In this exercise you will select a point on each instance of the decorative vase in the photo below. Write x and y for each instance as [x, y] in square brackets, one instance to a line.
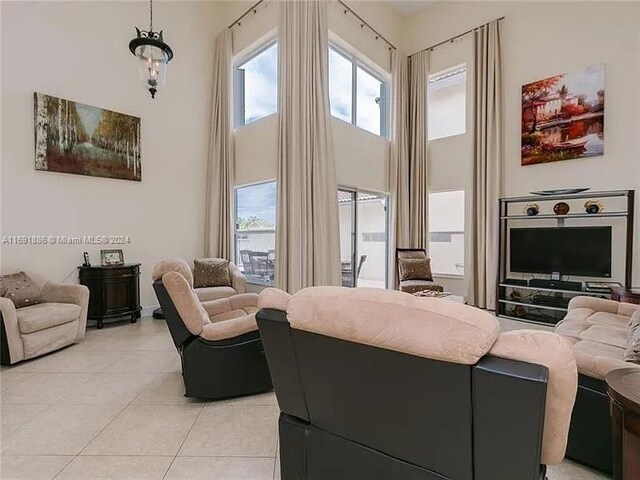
[532, 209]
[593, 207]
[561, 208]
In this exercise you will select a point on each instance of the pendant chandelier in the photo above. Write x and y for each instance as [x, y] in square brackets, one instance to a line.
[153, 55]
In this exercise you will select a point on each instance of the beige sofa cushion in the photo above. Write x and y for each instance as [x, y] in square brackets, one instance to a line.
[46, 315]
[231, 317]
[233, 307]
[207, 294]
[221, 330]
[274, 298]
[606, 334]
[173, 265]
[602, 305]
[53, 338]
[555, 353]
[425, 327]
[596, 359]
[599, 330]
[189, 307]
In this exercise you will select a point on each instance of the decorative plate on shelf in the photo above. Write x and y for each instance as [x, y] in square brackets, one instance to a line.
[561, 191]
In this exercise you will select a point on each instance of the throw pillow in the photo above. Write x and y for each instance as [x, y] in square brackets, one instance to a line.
[415, 269]
[211, 273]
[20, 289]
[632, 353]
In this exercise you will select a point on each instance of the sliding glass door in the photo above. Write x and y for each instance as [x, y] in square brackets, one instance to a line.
[363, 237]
[347, 215]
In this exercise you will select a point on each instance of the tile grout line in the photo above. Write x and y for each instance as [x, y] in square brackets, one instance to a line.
[106, 426]
[182, 443]
[92, 439]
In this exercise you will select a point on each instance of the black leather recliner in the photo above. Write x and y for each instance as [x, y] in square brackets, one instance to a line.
[353, 411]
[216, 369]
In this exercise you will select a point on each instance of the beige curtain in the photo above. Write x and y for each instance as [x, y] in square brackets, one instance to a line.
[307, 231]
[220, 165]
[418, 139]
[399, 159]
[487, 166]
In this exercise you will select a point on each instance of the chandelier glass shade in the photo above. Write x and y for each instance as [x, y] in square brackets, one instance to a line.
[153, 55]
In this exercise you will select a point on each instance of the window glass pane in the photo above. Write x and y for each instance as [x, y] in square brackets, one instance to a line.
[346, 215]
[368, 102]
[261, 85]
[340, 85]
[446, 232]
[447, 103]
[369, 267]
[371, 264]
[255, 232]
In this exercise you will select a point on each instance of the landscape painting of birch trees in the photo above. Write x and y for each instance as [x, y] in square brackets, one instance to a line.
[72, 137]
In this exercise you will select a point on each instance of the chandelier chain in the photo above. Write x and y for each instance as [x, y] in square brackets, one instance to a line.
[151, 15]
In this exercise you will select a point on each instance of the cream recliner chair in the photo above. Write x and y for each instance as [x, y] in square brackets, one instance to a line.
[218, 340]
[34, 330]
[205, 294]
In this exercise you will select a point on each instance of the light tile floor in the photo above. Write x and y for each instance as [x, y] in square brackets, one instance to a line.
[113, 407]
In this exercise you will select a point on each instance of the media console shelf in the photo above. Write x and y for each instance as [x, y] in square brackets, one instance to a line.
[515, 298]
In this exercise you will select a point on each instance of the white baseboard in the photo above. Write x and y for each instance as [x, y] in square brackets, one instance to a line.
[148, 310]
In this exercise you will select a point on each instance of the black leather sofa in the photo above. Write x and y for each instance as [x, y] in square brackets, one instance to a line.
[216, 369]
[351, 411]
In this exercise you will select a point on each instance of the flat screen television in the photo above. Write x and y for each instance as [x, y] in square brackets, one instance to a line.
[579, 251]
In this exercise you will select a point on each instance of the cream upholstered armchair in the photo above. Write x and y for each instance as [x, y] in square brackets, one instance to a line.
[237, 284]
[56, 319]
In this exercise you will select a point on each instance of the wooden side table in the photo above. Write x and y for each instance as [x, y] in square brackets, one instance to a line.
[114, 292]
[621, 294]
[624, 392]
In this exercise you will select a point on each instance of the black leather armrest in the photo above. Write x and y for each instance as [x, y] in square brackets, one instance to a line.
[508, 419]
[283, 364]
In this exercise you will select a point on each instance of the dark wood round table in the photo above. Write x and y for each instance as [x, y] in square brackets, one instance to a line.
[624, 392]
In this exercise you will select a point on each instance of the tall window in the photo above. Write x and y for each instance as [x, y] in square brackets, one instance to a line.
[256, 85]
[357, 94]
[255, 235]
[446, 232]
[447, 103]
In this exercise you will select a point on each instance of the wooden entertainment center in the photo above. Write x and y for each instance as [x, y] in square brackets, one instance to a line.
[544, 299]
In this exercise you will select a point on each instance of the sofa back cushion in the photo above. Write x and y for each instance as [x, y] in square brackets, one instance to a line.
[632, 354]
[191, 311]
[212, 272]
[425, 327]
[21, 289]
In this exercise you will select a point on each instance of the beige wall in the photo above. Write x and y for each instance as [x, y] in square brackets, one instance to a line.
[541, 39]
[78, 50]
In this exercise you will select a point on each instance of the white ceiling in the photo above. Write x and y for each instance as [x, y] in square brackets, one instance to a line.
[406, 8]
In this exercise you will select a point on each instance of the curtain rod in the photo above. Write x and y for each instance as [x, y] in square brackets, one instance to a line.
[364, 23]
[449, 40]
[252, 9]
